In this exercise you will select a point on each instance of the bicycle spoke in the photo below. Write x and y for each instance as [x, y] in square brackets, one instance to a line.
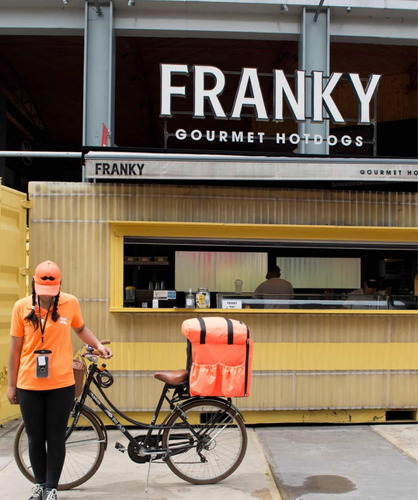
[85, 447]
[215, 448]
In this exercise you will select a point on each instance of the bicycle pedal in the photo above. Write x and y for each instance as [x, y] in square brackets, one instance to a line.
[120, 447]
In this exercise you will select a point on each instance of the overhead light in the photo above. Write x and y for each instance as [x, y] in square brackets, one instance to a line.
[284, 7]
[131, 3]
[65, 2]
[348, 10]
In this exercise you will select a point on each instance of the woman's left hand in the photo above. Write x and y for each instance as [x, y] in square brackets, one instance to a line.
[87, 336]
[104, 352]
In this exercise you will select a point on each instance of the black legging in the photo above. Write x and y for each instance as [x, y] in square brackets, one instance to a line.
[45, 414]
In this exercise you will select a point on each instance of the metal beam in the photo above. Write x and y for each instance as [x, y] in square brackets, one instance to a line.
[99, 75]
[98, 8]
[40, 154]
[318, 10]
[314, 47]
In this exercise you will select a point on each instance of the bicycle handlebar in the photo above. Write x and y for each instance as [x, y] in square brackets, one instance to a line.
[91, 351]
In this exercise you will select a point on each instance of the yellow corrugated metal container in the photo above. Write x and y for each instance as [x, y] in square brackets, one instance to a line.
[13, 211]
[303, 360]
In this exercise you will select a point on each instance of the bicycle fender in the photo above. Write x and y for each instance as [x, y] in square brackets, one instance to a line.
[213, 398]
[92, 413]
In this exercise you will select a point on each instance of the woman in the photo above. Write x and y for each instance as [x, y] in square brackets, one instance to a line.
[41, 378]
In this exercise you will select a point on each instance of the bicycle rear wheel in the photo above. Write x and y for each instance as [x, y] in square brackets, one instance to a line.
[215, 447]
[84, 450]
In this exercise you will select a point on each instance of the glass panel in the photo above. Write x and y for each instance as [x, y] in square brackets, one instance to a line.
[317, 301]
[218, 271]
[321, 272]
[194, 270]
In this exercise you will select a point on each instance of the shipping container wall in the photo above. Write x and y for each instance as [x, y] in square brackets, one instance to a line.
[13, 263]
[301, 361]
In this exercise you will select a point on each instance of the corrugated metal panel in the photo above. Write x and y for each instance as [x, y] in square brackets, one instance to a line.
[99, 202]
[69, 223]
[12, 279]
[295, 360]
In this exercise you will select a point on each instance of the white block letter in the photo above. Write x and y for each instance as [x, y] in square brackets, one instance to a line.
[200, 93]
[281, 86]
[364, 97]
[167, 90]
[320, 95]
[181, 134]
[249, 78]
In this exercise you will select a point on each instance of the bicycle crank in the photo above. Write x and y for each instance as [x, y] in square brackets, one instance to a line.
[141, 454]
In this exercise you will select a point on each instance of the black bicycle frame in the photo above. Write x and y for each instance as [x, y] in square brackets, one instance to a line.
[173, 402]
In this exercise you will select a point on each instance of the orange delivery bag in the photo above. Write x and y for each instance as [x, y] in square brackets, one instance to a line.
[219, 356]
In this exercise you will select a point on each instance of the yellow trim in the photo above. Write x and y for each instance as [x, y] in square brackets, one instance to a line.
[250, 232]
[207, 312]
[116, 269]
[337, 356]
[293, 416]
[131, 356]
[265, 231]
[315, 416]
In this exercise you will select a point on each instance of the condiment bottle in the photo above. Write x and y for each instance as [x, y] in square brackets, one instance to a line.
[190, 300]
[202, 298]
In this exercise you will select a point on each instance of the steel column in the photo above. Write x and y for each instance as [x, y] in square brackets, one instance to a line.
[99, 75]
[314, 50]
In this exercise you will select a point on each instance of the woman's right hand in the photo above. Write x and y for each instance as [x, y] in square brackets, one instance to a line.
[12, 395]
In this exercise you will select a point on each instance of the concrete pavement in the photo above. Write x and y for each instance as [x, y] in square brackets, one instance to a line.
[344, 462]
[120, 478]
[341, 462]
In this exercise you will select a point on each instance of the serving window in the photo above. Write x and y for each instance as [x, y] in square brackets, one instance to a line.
[153, 261]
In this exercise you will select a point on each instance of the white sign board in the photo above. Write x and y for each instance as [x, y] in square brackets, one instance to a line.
[164, 294]
[231, 304]
[115, 166]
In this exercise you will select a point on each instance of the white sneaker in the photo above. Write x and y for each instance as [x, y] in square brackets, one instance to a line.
[51, 494]
[37, 492]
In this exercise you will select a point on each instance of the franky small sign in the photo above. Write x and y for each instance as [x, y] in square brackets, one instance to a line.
[118, 169]
[138, 166]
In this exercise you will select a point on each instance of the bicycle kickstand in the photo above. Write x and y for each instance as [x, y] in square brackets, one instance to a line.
[149, 470]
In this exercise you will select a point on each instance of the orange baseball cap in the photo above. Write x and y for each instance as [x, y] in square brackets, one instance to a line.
[47, 278]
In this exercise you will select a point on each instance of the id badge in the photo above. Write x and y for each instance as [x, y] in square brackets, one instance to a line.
[42, 363]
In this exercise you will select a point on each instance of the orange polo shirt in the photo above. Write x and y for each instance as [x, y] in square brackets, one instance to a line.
[57, 338]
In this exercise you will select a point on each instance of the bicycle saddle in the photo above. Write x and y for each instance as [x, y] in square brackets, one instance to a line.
[174, 377]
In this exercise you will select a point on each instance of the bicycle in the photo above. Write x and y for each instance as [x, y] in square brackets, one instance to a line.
[203, 440]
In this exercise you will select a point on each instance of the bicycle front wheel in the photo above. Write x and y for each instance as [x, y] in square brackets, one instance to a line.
[84, 450]
[209, 446]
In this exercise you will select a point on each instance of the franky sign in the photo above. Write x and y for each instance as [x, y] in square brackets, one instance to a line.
[138, 166]
[249, 93]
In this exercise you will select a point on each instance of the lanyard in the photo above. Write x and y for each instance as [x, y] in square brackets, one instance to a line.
[43, 322]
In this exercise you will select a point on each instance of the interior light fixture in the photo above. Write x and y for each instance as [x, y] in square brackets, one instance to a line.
[284, 7]
[131, 3]
[348, 10]
[65, 2]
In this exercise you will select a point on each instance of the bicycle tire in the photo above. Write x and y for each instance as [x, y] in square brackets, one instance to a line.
[84, 451]
[225, 447]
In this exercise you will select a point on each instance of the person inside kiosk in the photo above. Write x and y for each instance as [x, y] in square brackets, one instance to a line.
[275, 292]
[367, 296]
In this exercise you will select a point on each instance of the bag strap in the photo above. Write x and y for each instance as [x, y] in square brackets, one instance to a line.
[189, 357]
[247, 358]
[230, 327]
[230, 331]
[202, 330]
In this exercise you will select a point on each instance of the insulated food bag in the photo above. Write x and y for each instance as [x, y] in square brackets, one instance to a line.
[219, 357]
